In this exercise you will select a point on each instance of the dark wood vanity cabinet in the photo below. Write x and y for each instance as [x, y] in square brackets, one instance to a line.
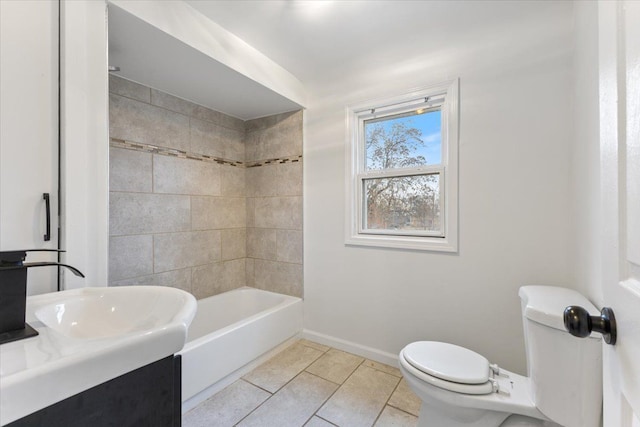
[148, 396]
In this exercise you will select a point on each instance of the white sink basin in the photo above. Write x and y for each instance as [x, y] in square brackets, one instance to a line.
[89, 336]
[110, 312]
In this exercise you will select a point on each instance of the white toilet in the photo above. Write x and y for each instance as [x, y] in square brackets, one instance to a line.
[459, 387]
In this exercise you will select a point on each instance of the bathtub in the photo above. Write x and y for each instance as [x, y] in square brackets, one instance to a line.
[229, 331]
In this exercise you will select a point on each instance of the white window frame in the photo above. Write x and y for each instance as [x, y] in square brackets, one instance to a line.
[444, 96]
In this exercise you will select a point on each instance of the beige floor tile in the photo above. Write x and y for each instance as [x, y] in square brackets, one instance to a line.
[281, 368]
[384, 368]
[318, 422]
[293, 405]
[227, 407]
[315, 345]
[404, 398]
[360, 399]
[392, 417]
[335, 365]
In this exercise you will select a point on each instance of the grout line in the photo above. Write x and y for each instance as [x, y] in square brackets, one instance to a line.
[336, 390]
[285, 384]
[322, 378]
[339, 386]
[386, 403]
[400, 409]
[261, 388]
[315, 415]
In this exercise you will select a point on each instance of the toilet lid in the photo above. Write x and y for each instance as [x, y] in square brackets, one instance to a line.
[448, 362]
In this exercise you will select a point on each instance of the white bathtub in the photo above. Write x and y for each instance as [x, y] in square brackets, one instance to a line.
[231, 330]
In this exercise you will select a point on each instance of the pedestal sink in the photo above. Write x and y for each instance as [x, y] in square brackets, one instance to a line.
[89, 336]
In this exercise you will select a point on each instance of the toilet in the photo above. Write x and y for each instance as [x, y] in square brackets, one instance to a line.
[563, 387]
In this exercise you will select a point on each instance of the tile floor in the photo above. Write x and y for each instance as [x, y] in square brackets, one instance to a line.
[310, 384]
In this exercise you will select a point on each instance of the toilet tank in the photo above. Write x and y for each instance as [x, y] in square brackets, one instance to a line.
[565, 372]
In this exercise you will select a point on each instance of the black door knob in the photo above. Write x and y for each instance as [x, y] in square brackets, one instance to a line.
[580, 324]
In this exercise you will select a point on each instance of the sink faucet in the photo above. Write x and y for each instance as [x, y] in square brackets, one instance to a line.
[13, 292]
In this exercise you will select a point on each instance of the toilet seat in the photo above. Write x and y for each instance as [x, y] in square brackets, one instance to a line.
[448, 366]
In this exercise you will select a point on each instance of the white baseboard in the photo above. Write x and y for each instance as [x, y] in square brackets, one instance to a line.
[361, 350]
[235, 375]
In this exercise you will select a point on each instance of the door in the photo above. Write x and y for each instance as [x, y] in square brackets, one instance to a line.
[619, 37]
[29, 132]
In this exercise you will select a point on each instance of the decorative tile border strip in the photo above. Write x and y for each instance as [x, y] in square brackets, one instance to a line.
[148, 148]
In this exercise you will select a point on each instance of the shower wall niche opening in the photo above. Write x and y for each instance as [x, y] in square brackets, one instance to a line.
[201, 200]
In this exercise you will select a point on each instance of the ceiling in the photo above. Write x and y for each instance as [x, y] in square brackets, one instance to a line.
[326, 43]
[152, 57]
[320, 41]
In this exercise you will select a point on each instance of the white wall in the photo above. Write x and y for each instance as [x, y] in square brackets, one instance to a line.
[85, 148]
[515, 206]
[587, 213]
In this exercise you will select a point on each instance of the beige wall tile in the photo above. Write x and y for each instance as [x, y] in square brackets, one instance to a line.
[284, 278]
[180, 279]
[129, 170]
[335, 365]
[124, 87]
[281, 368]
[139, 122]
[392, 417]
[233, 273]
[275, 140]
[293, 405]
[261, 243]
[219, 118]
[250, 272]
[218, 212]
[130, 256]
[191, 109]
[266, 122]
[214, 279]
[261, 181]
[140, 213]
[279, 179]
[227, 407]
[232, 181]
[251, 212]
[278, 212]
[290, 178]
[360, 399]
[185, 176]
[206, 138]
[135, 281]
[173, 251]
[207, 280]
[173, 103]
[232, 144]
[234, 243]
[251, 143]
[404, 398]
[217, 141]
[289, 246]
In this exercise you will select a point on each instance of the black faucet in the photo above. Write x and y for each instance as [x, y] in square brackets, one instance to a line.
[13, 292]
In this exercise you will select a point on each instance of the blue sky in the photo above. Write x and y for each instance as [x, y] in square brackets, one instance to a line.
[429, 124]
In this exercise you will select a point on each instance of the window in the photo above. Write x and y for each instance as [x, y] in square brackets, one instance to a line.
[402, 170]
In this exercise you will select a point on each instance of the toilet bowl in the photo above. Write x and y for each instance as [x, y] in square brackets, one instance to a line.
[470, 396]
[459, 387]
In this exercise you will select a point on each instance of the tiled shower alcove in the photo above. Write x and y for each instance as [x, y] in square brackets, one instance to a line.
[201, 200]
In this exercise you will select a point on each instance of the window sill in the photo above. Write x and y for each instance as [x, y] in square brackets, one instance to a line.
[434, 244]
